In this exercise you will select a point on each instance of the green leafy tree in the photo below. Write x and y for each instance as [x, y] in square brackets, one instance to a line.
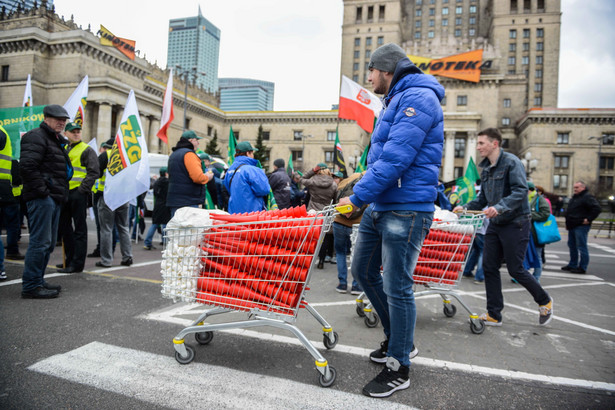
[263, 151]
[212, 147]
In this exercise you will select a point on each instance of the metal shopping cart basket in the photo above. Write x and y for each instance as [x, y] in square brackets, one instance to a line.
[440, 266]
[258, 263]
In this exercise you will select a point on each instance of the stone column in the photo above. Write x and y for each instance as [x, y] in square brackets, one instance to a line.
[470, 150]
[103, 128]
[153, 138]
[449, 156]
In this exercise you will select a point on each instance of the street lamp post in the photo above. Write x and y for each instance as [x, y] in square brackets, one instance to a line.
[303, 137]
[529, 164]
[187, 73]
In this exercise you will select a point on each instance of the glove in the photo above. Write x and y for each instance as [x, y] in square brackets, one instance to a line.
[316, 169]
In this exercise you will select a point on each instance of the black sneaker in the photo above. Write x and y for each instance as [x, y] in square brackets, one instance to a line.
[95, 253]
[39, 293]
[388, 381]
[127, 262]
[380, 355]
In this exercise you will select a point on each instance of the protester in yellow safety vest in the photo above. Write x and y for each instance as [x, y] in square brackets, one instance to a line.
[10, 190]
[98, 189]
[73, 224]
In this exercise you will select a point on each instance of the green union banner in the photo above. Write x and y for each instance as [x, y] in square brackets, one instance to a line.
[19, 120]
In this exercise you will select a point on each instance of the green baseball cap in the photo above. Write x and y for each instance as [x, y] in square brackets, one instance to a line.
[204, 156]
[188, 135]
[322, 165]
[72, 126]
[245, 146]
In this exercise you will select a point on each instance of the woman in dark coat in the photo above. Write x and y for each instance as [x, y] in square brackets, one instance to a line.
[161, 215]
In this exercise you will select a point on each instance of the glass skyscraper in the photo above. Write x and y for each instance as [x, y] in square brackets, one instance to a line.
[244, 94]
[11, 5]
[194, 44]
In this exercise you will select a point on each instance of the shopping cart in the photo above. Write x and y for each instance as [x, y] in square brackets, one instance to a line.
[258, 263]
[440, 266]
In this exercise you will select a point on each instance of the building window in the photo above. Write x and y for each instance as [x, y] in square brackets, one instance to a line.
[418, 24]
[368, 41]
[418, 12]
[472, 9]
[607, 163]
[457, 172]
[458, 10]
[359, 17]
[506, 102]
[526, 46]
[443, 101]
[512, 47]
[505, 121]
[538, 59]
[355, 66]
[561, 161]
[605, 183]
[430, 34]
[432, 23]
[370, 14]
[445, 11]
[458, 21]
[355, 78]
[512, 34]
[540, 33]
[512, 60]
[357, 41]
[513, 6]
[471, 32]
[210, 130]
[368, 53]
[444, 22]
[472, 20]
[460, 147]
[297, 135]
[380, 40]
[525, 60]
[538, 73]
[526, 33]
[419, 2]
[562, 137]
[608, 139]
[462, 100]
[356, 54]
[297, 155]
[539, 46]
[266, 135]
[235, 133]
[538, 87]
[560, 181]
[381, 13]
[417, 34]
[537, 101]
[328, 156]
[432, 11]
[331, 135]
[458, 32]
[5, 73]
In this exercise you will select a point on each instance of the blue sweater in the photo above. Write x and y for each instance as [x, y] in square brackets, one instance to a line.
[406, 146]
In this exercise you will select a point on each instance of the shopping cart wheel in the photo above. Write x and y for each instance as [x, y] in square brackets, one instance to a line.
[328, 343]
[360, 311]
[327, 383]
[477, 326]
[372, 320]
[449, 310]
[204, 338]
[185, 359]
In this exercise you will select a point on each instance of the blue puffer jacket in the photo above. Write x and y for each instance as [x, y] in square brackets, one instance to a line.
[406, 147]
[249, 186]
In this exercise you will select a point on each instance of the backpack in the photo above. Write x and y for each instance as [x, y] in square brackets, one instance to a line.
[348, 190]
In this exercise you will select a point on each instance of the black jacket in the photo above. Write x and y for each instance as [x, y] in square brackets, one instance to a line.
[280, 186]
[161, 214]
[44, 165]
[580, 207]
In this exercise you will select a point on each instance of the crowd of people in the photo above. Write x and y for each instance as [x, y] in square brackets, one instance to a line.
[392, 203]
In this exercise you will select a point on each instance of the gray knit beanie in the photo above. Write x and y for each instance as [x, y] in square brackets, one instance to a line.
[386, 57]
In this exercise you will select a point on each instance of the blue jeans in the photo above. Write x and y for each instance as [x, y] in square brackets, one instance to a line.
[538, 270]
[43, 217]
[577, 244]
[475, 258]
[508, 241]
[341, 241]
[152, 231]
[393, 240]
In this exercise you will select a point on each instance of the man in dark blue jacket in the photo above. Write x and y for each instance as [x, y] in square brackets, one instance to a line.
[400, 186]
[504, 193]
[245, 182]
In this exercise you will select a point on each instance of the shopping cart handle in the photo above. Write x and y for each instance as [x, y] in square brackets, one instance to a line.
[343, 209]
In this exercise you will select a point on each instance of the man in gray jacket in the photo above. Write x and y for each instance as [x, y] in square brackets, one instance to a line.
[504, 191]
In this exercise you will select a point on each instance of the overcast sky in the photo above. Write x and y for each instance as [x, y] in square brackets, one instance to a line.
[297, 43]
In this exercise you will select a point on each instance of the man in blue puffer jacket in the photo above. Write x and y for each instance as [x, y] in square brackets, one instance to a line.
[246, 183]
[401, 186]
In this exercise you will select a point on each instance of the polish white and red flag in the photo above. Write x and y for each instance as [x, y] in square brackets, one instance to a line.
[167, 110]
[357, 103]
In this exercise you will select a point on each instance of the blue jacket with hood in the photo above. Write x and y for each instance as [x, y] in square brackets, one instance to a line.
[404, 160]
[249, 186]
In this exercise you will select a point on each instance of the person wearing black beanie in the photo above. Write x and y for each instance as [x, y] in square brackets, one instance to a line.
[280, 184]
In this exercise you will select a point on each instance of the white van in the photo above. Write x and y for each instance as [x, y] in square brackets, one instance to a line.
[156, 161]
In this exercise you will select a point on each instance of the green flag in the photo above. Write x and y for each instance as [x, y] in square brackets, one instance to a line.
[209, 203]
[362, 165]
[271, 203]
[231, 147]
[290, 169]
[465, 186]
[338, 156]
[472, 172]
[19, 120]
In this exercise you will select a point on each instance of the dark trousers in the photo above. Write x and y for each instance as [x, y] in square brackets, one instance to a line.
[74, 229]
[327, 246]
[10, 221]
[508, 242]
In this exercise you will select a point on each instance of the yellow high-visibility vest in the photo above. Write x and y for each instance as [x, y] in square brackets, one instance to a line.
[80, 172]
